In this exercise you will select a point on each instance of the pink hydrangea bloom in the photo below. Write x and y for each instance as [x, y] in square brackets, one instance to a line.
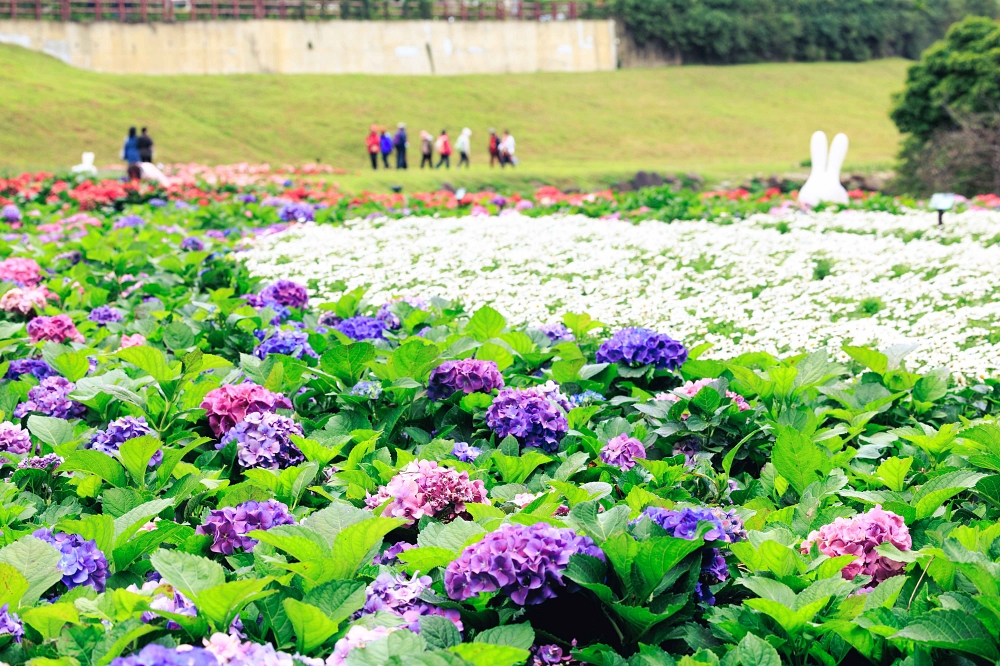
[134, 340]
[690, 390]
[357, 637]
[858, 536]
[424, 488]
[229, 404]
[24, 271]
[621, 452]
[59, 328]
[25, 301]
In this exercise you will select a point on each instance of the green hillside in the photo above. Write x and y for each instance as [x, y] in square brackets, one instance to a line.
[717, 120]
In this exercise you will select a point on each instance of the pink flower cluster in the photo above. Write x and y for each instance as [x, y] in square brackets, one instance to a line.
[229, 404]
[134, 340]
[59, 328]
[25, 272]
[424, 488]
[356, 637]
[858, 536]
[621, 452]
[25, 301]
[690, 390]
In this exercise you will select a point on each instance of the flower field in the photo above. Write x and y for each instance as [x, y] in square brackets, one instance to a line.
[247, 425]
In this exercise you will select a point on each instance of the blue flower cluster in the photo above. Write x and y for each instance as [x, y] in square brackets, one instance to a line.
[121, 430]
[362, 328]
[289, 343]
[532, 418]
[642, 346]
[82, 562]
[103, 315]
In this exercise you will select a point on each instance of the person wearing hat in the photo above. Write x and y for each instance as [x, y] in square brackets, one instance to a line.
[401, 143]
[494, 148]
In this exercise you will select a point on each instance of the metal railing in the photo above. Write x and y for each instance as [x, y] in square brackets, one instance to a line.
[143, 11]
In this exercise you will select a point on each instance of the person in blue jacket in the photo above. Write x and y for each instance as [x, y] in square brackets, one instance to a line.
[385, 145]
[130, 153]
[401, 142]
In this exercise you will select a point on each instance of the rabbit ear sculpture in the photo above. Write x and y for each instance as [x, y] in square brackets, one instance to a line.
[824, 180]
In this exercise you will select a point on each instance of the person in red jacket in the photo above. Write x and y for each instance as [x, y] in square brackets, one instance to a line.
[372, 143]
[443, 147]
[495, 148]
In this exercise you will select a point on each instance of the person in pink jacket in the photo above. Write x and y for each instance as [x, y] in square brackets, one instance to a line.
[443, 147]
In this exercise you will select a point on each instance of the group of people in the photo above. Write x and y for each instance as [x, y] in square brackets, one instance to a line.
[381, 145]
[137, 149]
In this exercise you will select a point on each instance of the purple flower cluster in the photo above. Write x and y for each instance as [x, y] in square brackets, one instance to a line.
[128, 222]
[263, 439]
[465, 452]
[41, 462]
[546, 655]
[621, 452]
[231, 403]
[399, 596]
[230, 525]
[859, 536]
[467, 375]
[297, 212]
[82, 563]
[165, 598]
[10, 624]
[29, 366]
[193, 243]
[118, 432]
[642, 346]
[362, 328]
[524, 562]
[103, 315]
[155, 654]
[732, 525]
[714, 570]
[683, 524]
[50, 398]
[533, 419]
[557, 332]
[14, 438]
[289, 343]
[286, 292]
[10, 213]
[390, 555]
[424, 488]
[390, 318]
[58, 328]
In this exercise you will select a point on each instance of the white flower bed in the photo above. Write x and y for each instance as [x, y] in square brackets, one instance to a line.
[745, 286]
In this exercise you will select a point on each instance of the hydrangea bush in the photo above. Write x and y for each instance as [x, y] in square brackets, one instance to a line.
[201, 467]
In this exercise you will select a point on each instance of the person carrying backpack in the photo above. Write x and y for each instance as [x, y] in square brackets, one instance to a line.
[372, 144]
[443, 146]
[385, 143]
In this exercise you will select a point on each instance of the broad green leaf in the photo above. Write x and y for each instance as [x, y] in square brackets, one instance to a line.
[220, 604]
[440, 632]
[348, 362]
[13, 585]
[487, 654]
[135, 455]
[600, 526]
[188, 573]
[658, 555]
[951, 630]
[298, 541]
[893, 472]
[128, 524]
[516, 469]
[312, 626]
[875, 361]
[338, 599]
[97, 463]
[515, 635]
[489, 351]
[72, 365]
[796, 458]
[119, 637]
[37, 561]
[452, 536]
[757, 651]
[50, 430]
[355, 545]
[485, 323]
[425, 560]
[150, 360]
[50, 619]
[334, 519]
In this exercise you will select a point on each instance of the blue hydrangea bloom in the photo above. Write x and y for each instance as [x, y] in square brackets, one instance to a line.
[82, 563]
[289, 343]
[362, 328]
[103, 315]
[370, 390]
[157, 655]
[297, 212]
[642, 346]
[121, 430]
[29, 366]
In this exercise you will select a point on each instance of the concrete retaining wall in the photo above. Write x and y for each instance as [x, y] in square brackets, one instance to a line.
[328, 47]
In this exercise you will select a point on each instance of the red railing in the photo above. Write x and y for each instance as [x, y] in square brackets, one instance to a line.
[142, 11]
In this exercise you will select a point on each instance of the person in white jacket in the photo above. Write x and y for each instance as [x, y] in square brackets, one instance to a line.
[507, 146]
[464, 146]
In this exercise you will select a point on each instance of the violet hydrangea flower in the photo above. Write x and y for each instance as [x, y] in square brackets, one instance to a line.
[14, 438]
[424, 488]
[129, 222]
[557, 332]
[621, 451]
[297, 212]
[468, 375]
[401, 596]
[50, 398]
[465, 452]
[263, 439]
[642, 346]
[104, 315]
[683, 523]
[118, 432]
[10, 213]
[81, 563]
[533, 419]
[390, 318]
[858, 536]
[59, 328]
[289, 343]
[193, 243]
[230, 403]
[29, 366]
[362, 328]
[165, 598]
[230, 525]
[10, 624]
[286, 292]
[390, 555]
[524, 562]
[41, 462]
[155, 654]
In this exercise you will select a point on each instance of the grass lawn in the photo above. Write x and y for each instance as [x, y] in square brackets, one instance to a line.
[582, 128]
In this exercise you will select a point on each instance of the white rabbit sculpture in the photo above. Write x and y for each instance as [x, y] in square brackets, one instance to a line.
[824, 180]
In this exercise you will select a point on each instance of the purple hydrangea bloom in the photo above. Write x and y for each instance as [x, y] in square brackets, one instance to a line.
[50, 398]
[390, 318]
[683, 524]
[118, 432]
[533, 419]
[10, 624]
[246, 198]
[29, 366]
[464, 452]
[193, 243]
[714, 570]
[588, 397]
[621, 452]
[104, 315]
[14, 439]
[297, 212]
[642, 346]
[263, 440]
[524, 562]
[468, 375]
[361, 328]
[82, 563]
[11, 213]
[732, 524]
[41, 462]
[390, 555]
[370, 390]
[157, 655]
[229, 526]
[557, 332]
[399, 596]
[128, 222]
[157, 202]
[165, 598]
[289, 343]
[286, 292]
